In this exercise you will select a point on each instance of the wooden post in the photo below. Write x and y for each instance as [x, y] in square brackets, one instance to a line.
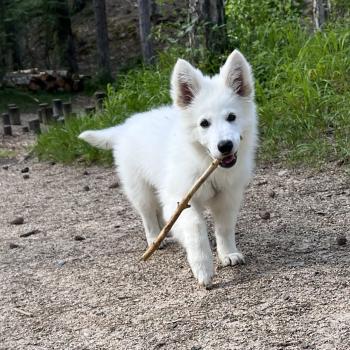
[90, 109]
[7, 130]
[5, 119]
[49, 114]
[15, 117]
[41, 111]
[34, 125]
[99, 97]
[57, 107]
[67, 109]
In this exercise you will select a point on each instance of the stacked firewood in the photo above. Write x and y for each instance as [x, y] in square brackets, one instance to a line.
[50, 80]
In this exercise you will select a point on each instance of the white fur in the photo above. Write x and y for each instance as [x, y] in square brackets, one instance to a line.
[159, 154]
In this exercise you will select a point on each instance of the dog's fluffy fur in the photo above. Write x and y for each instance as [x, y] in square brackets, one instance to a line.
[159, 154]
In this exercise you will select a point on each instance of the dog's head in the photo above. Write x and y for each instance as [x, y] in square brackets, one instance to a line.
[216, 110]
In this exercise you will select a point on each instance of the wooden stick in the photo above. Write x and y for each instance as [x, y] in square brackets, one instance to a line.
[181, 206]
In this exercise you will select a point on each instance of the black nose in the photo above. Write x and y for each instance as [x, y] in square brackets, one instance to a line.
[225, 146]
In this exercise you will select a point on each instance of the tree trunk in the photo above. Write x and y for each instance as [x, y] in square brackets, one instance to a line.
[65, 47]
[104, 64]
[207, 19]
[145, 30]
[320, 10]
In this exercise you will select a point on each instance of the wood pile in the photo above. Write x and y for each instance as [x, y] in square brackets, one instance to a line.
[49, 80]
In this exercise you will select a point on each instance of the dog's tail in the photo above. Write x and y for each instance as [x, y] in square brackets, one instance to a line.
[104, 139]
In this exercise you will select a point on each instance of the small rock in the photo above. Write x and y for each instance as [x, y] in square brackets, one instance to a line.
[196, 347]
[29, 233]
[60, 263]
[79, 238]
[86, 173]
[25, 170]
[264, 182]
[52, 163]
[282, 172]
[341, 240]
[13, 245]
[26, 176]
[5, 167]
[17, 221]
[265, 215]
[114, 185]
[272, 194]
[86, 188]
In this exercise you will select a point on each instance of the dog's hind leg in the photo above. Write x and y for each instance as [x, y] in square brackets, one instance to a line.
[145, 201]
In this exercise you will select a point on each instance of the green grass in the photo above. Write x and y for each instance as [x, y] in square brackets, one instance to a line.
[28, 101]
[302, 91]
[5, 153]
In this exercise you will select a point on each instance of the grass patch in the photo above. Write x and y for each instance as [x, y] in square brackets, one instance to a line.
[302, 91]
[5, 153]
[28, 101]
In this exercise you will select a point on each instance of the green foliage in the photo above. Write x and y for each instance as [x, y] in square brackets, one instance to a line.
[302, 87]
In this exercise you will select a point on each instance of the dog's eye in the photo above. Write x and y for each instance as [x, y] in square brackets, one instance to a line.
[204, 123]
[231, 117]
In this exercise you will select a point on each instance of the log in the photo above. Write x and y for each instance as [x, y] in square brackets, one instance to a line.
[49, 115]
[57, 107]
[67, 109]
[8, 130]
[99, 98]
[15, 117]
[90, 110]
[34, 125]
[5, 119]
[184, 204]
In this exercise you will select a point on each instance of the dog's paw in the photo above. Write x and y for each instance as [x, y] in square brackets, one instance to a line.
[204, 275]
[232, 259]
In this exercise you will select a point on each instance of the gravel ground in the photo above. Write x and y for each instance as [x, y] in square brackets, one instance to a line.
[75, 281]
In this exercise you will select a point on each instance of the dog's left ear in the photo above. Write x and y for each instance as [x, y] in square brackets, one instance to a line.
[237, 74]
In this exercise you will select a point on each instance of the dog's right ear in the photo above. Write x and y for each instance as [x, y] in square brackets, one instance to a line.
[185, 83]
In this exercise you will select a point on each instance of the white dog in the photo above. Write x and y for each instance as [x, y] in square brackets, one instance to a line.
[159, 155]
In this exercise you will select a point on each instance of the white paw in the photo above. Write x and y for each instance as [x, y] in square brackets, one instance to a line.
[232, 259]
[204, 274]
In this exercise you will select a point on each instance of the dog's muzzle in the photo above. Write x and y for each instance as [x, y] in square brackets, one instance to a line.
[229, 160]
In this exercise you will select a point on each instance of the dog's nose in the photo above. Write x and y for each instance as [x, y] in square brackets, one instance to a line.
[225, 146]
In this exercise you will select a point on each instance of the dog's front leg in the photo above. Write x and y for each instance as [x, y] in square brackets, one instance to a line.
[190, 230]
[225, 210]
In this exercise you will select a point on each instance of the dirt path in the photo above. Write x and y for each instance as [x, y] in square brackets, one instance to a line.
[60, 292]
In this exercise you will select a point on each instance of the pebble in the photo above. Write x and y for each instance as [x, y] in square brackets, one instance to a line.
[17, 221]
[86, 173]
[341, 240]
[5, 167]
[86, 188]
[60, 263]
[26, 176]
[282, 172]
[25, 170]
[272, 194]
[114, 185]
[13, 245]
[79, 238]
[265, 215]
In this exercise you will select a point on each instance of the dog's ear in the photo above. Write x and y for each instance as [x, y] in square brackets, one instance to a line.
[185, 83]
[237, 74]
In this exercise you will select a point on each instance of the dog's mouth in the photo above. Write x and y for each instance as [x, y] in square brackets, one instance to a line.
[229, 161]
